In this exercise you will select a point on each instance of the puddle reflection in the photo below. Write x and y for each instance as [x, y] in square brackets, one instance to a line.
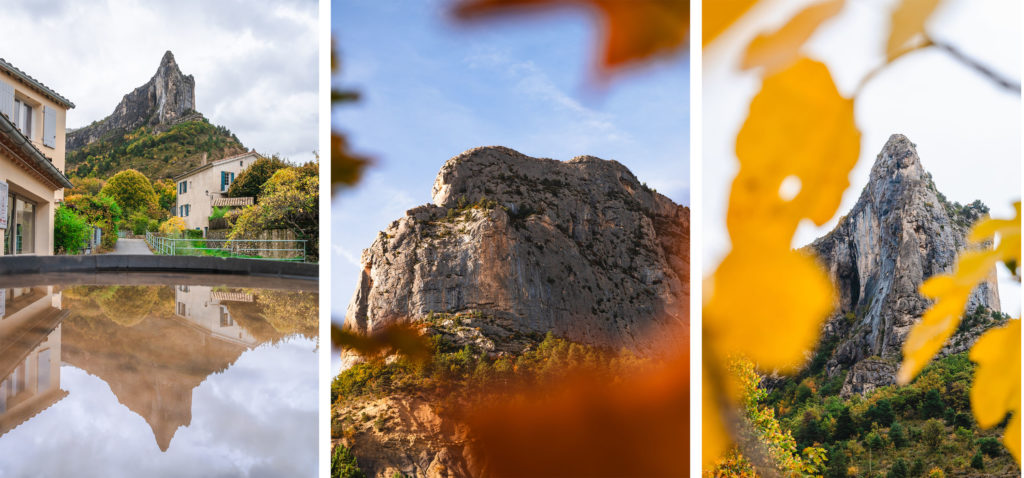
[223, 379]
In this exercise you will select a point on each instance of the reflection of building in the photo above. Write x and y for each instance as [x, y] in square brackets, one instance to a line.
[205, 187]
[30, 353]
[32, 180]
[206, 308]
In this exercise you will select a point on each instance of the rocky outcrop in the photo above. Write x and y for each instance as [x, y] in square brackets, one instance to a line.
[405, 435]
[167, 97]
[900, 232]
[579, 248]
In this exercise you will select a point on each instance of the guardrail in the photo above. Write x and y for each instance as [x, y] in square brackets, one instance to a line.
[293, 250]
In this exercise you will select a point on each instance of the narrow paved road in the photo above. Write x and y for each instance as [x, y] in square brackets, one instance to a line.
[132, 246]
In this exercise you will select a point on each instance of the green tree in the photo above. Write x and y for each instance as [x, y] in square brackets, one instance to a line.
[837, 462]
[990, 446]
[133, 192]
[810, 431]
[99, 211]
[249, 182]
[343, 464]
[874, 440]
[898, 469]
[932, 406]
[70, 231]
[917, 468]
[881, 413]
[845, 428]
[897, 435]
[166, 195]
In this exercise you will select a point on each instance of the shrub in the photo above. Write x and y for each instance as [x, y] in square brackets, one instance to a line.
[990, 446]
[881, 413]
[139, 223]
[933, 432]
[344, 465]
[70, 231]
[173, 226]
[936, 473]
[874, 440]
[219, 212]
[99, 211]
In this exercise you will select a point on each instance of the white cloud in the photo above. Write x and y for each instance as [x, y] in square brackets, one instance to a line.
[254, 62]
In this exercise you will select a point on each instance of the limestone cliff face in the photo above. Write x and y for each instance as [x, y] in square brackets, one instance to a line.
[900, 232]
[168, 96]
[578, 248]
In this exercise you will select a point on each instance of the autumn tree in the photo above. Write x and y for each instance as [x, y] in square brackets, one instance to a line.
[290, 200]
[249, 182]
[133, 192]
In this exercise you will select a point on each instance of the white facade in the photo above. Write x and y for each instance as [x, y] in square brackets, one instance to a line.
[204, 308]
[198, 188]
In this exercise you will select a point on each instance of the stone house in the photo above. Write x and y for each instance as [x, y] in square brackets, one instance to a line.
[204, 187]
[32, 180]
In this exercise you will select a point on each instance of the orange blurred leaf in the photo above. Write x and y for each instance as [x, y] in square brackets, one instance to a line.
[587, 426]
[777, 50]
[400, 338]
[633, 30]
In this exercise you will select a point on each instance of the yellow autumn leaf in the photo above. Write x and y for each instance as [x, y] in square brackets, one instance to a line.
[908, 21]
[719, 15]
[789, 309]
[715, 437]
[952, 291]
[777, 50]
[996, 389]
[799, 127]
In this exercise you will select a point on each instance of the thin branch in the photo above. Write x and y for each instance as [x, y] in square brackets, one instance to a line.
[983, 70]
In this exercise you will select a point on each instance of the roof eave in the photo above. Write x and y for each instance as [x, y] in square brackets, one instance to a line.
[30, 150]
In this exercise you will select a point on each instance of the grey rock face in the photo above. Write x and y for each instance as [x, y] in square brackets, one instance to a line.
[900, 232]
[526, 246]
[168, 96]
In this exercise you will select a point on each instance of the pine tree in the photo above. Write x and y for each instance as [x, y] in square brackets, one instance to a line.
[978, 462]
[898, 470]
[845, 427]
[897, 435]
[932, 406]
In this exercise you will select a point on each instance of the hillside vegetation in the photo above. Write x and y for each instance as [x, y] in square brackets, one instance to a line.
[155, 152]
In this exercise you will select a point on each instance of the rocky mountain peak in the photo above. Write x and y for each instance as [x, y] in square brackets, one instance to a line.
[900, 232]
[522, 246]
[167, 97]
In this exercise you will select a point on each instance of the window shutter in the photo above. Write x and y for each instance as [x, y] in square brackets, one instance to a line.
[49, 127]
[7, 100]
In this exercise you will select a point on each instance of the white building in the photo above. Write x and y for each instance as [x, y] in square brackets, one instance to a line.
[206, 186]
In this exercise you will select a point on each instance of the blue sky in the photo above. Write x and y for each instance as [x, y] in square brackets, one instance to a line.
[432, 89]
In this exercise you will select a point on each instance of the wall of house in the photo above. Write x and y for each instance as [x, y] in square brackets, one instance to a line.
[17, 319]
[24, 183]
[38, 101]
[205, 186]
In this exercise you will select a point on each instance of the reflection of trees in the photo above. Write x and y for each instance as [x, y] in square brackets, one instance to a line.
[277, 314]
[124, 305]
[291, 312]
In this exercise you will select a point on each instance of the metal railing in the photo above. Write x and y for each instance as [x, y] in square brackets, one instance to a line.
[267, 249]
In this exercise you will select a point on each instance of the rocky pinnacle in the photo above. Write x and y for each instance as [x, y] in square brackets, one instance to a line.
[900, 232]
[525, 246]
[166, 97]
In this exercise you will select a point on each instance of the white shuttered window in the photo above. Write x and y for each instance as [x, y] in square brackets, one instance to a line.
[49, 127]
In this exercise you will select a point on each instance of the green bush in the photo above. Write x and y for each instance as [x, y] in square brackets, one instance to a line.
[897, 435]
[219, 212]
[344, 465]
[140, 223]
[917, 469]
[933, 432]
[70, 231]
[978, 462]
[990, 446]
[932, 406]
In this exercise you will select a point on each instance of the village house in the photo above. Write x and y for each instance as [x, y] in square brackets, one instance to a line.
[32, 180]
[205, 187]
